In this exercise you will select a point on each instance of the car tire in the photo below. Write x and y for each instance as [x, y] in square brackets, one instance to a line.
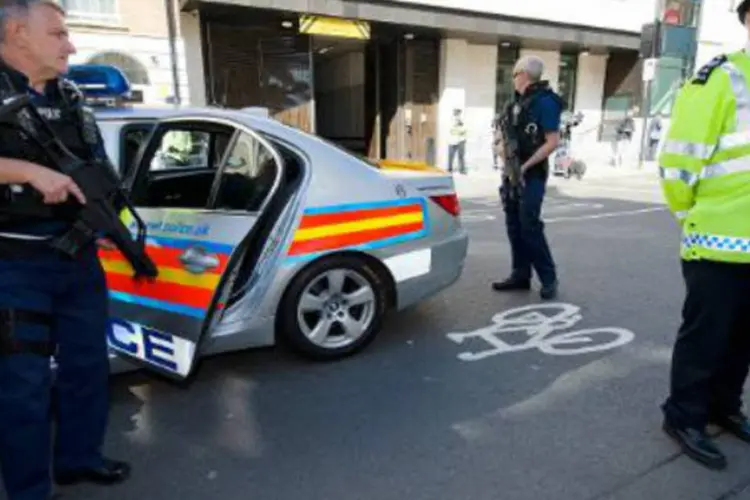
[315, 295]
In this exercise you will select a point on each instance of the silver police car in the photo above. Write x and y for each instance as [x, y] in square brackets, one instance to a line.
[265, 234]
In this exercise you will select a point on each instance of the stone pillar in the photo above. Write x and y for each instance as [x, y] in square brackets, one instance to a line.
[467, 82]
[190, 27]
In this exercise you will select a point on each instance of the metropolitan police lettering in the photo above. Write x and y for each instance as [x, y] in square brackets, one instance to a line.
[49, 113]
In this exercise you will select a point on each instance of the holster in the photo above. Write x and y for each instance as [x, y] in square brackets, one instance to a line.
[74, 240]
[10, 344]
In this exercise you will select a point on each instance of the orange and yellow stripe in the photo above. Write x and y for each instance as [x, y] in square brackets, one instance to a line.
[175, 289]
[362, 225]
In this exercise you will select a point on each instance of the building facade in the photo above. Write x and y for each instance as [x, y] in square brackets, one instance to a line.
[131, 34]
[384, 78]
[393, 93]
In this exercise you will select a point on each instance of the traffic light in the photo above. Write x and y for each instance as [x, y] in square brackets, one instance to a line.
[651, 35]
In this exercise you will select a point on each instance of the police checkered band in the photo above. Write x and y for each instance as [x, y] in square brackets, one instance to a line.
[714, 242]
[678, 174]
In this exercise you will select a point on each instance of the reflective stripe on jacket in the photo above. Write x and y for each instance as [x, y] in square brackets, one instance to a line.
[705, 162]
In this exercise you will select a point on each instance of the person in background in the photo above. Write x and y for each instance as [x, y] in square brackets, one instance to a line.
[654, 136]
[623, 137]
[457, 143]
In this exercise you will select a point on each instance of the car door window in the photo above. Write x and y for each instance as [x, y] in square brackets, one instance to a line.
[133, 137]
[181, 163]
[182, 149]
[248, 177]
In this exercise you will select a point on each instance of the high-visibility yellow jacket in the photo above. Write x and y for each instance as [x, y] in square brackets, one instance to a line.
[705, 161]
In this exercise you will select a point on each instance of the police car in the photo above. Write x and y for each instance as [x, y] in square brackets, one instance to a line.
[263, 234]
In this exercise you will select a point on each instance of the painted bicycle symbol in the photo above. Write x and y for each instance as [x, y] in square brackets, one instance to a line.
[542, 325]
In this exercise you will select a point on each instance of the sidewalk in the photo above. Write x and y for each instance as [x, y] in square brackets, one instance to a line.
[486, 182]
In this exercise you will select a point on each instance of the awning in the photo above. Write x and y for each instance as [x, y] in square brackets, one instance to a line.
[450, 21]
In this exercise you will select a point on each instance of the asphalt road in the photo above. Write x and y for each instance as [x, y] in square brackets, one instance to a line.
[426, 415]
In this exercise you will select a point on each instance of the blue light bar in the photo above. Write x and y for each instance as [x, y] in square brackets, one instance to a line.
[100, 83]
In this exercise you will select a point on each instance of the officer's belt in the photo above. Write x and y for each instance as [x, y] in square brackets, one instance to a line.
[17, 248]
[10, 345]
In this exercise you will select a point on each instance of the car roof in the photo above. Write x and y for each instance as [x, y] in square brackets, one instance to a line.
[254, 118]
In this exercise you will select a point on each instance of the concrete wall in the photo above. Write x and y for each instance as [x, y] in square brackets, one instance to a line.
[480, 105]
[624, 15]
[467, 82]
[589, 97]
[195, 73]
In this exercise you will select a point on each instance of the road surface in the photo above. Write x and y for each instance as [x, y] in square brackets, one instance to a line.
[438, 408]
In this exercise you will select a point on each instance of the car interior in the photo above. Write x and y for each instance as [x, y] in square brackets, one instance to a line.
[183, 161]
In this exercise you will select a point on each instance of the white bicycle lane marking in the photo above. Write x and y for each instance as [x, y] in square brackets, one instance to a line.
[543, 325]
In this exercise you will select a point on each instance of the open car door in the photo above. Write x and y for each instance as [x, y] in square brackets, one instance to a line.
[201, 185]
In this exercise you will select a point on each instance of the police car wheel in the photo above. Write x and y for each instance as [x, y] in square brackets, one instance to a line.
[333, 308]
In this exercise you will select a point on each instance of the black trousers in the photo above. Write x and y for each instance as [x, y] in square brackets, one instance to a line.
[460, 151]
[712, 352]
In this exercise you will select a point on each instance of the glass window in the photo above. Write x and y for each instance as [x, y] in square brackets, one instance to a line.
[566, 84]
[182, 149]
[248, 177]
[92, 10]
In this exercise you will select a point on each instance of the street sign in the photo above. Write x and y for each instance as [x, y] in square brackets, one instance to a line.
[649, 69]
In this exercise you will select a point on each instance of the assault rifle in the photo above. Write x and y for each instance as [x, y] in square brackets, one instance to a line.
[512, 164]
[99, 217]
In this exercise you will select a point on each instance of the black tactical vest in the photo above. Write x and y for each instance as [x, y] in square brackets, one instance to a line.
[63, 107]
[529, 132]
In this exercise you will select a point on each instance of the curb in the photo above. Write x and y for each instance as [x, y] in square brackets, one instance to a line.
[482, 184]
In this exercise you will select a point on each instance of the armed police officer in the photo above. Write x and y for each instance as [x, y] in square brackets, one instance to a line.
[705, 169]
[50, 304]
[532, 132]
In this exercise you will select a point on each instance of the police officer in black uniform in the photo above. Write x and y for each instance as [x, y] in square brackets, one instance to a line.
[535, 113]
[50, 304]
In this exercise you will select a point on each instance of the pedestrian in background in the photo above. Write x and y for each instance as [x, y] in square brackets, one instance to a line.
[457, 143]
[623, 138]
[705, 170]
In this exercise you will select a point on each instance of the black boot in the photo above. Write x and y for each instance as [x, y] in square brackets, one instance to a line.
[549, 292]
[512, 284]
[698, 445]
[111, 472]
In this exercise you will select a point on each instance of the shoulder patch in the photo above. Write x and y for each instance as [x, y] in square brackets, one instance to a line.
[705, 72]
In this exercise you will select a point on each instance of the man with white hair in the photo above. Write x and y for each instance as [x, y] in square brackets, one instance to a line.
[533, 123]
[51, 303]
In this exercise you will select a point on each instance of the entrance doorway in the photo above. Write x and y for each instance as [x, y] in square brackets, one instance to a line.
[339, 91]
[375, 97]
